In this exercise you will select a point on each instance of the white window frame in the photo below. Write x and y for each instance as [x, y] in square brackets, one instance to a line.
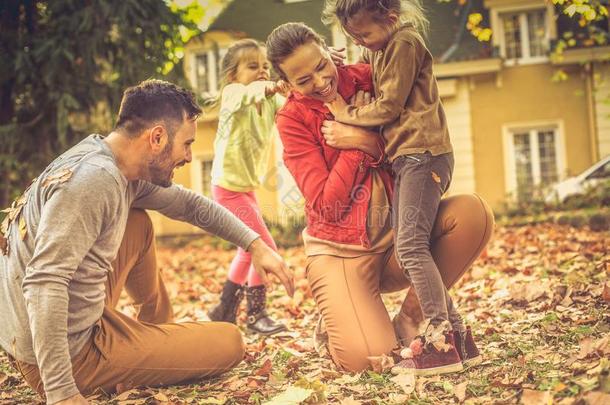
[211, 67]
[497, 25]
[196, 168]
[508, 132]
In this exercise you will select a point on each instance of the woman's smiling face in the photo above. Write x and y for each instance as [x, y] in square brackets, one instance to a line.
[311, 72]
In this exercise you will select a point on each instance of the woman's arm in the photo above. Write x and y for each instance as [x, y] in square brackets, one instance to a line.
[327, 190]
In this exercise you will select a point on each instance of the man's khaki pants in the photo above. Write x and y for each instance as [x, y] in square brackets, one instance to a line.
[150, 351]
[347, 290]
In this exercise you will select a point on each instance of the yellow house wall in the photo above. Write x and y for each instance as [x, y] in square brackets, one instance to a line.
[519, 95]
[204, 148]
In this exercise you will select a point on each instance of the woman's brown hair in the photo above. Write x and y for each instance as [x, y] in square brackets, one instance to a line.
[284, 39]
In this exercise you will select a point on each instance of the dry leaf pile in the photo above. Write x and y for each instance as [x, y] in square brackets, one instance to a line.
[538, 302]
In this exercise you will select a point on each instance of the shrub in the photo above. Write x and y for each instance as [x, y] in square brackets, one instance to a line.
[599, 223]
[578, 221]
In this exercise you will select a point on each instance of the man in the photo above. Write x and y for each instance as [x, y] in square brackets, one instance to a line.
[79, 235]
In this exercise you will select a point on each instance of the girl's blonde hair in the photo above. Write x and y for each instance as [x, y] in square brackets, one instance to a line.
[410, 12]
[228, 66]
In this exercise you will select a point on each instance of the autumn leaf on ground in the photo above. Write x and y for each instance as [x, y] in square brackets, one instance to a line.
[534, 302]
[606, 292]
[381, 364]
[406, 381]
[589, 346]
[292, 396]
[460, 391]
[532, 397]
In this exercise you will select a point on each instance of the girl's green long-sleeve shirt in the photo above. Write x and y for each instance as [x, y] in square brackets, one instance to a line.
[244, 135]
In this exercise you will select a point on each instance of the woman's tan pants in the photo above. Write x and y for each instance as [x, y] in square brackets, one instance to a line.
[348, 290]
[150, 351]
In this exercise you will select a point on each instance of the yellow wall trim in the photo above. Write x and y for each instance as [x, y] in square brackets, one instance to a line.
[577, 56]
[467, 68]
[513, 3]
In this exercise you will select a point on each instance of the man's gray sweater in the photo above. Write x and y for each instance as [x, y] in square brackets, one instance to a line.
[64, 234]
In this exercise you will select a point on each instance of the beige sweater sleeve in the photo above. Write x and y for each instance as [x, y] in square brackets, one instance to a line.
[397, 70]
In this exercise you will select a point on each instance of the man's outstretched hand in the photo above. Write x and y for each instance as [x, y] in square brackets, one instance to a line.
[265, 260]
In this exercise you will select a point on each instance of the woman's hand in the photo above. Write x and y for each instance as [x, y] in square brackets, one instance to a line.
[338, 106]
[337, 55]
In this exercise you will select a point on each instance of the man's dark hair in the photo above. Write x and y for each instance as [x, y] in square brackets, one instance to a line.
[155, 101]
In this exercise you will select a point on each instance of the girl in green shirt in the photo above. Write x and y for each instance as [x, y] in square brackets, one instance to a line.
[248, 103]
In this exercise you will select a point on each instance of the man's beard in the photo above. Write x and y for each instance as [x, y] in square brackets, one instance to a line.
[160, 168]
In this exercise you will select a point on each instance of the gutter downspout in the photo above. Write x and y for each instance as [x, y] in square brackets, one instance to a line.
[591, 112]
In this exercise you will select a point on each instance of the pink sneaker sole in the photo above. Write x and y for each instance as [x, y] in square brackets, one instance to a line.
[450, 368]
[475, 361]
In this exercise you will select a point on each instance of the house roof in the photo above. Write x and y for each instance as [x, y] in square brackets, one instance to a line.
[448, 39]
[257, 18]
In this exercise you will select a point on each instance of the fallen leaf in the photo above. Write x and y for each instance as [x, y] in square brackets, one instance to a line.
[3, 378]
[292, 396]
[3, 244]
[532, 397]
[214, 401]
[159, 396]
[265, 369]
[606, 292]
[527, 292]
[23, 230]
[382, 363]
[460, 391]
[436, 178]
[405, 381]
[125, 395]
[588, 346]
[349, 401]
[59, 177]
[597, 398]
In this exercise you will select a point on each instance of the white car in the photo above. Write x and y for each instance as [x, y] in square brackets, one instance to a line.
[594, 175]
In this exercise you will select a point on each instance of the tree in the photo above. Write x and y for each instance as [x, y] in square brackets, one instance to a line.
[64, 66]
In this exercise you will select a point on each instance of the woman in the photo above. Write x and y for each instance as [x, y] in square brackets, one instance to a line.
[347, 188]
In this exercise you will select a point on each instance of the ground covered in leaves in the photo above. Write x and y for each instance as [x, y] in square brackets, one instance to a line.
[538, 302]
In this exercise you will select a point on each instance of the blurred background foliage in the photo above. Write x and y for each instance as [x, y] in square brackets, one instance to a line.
[65, 64]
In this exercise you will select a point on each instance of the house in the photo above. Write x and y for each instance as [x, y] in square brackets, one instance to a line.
[513, 128]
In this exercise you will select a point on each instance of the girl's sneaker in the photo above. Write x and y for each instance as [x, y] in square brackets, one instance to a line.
[466, 348]
[432, 358]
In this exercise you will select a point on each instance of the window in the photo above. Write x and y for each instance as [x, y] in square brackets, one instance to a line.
[533, 159]
[206, 178]
[201, 174]
[524, 35]
[201, 73]
[221, 54]
[206, 71]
